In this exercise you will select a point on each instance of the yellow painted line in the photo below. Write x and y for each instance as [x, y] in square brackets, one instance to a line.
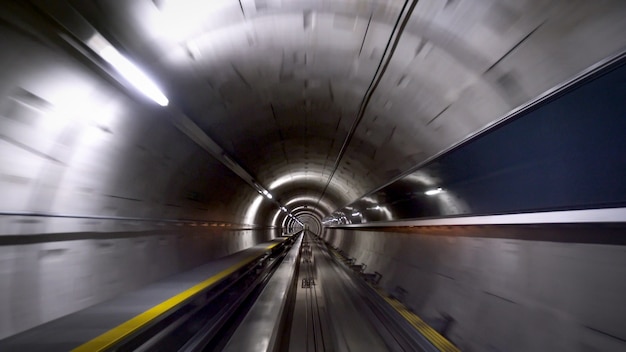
[431, 334]
[115, 335]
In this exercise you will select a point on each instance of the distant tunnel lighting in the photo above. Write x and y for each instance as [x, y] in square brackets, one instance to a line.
[268, 195]
[432, 192]
[133, 75]
[283, 209]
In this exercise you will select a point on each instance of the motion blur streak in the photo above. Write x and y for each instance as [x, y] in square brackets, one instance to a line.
[482, 183]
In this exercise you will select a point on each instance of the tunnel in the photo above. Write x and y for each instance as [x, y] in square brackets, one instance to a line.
[312, 175]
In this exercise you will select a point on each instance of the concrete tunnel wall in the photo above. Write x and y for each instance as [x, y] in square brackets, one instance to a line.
[504, 294]
[95, 180]
[73, 144]
[49, 278]
[100, 195]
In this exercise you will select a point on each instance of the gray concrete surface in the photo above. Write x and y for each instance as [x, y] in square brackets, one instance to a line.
[503, 294]
[44, 281]
[73, 330]
[278, 86]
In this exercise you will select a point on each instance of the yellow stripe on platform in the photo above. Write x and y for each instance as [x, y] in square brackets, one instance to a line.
[440, 342]
[431, 334]
[115, 335]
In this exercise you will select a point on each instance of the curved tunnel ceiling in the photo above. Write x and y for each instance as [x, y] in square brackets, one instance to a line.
[324, 101]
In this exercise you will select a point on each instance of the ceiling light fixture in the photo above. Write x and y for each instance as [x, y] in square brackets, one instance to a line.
[133, 75]
[432, 192]
[127, 69]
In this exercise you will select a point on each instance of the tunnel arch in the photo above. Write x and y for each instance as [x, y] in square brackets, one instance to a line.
[267, 100]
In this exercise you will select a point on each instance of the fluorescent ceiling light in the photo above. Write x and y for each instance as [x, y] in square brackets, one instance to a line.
[268, 195]
[356, 214]
[133, 75]
[432, 192]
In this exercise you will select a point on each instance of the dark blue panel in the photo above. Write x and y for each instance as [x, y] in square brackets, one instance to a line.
[567, 153]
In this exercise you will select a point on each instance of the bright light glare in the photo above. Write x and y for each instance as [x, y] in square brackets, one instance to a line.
[252, 210]
[133, 75]
[356, 214]
[283, 209]
[180, 19]
[268, 195]
[432, 192]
